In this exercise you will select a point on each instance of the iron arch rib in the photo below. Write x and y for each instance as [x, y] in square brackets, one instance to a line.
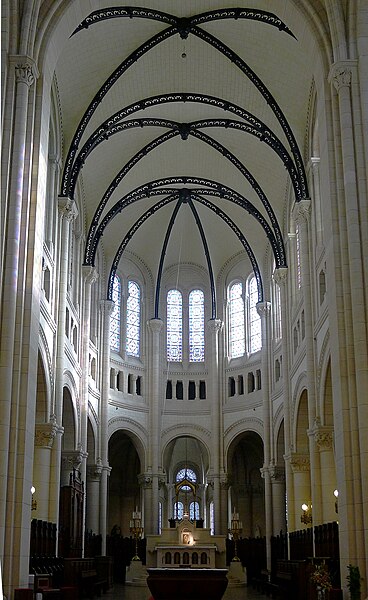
[262, 88]
[146, 215]
[208, 258]
[110, 81]
[240, 237]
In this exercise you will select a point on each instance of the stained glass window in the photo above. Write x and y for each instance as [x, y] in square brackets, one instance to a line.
[237, 329]
[174, 326]
[133, 319]
[178, 510]
[212, 518]
[115, 315]
[255, 332]
[196, 326]
[186, 474]
[194, 510]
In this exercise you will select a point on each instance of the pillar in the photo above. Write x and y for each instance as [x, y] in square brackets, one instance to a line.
[277, 477]
[89, 277]
[44, 437]
[106, 307]
[215, 327]
[300, 465]
[93, 498]
[324, 442]
[155, 394]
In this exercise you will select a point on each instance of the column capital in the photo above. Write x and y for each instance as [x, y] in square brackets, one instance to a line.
[94, 471]
[341, 73]
[299, 462]
[45, 434]
[145, 480]
[263, 309]
[224, 481]
[25, 69]
[89, 273]
[215, 325]
[67, 208]
[302, 211]
[155, 325]
[280, 276]
[324, 437]
[277, 474]
[106, 307]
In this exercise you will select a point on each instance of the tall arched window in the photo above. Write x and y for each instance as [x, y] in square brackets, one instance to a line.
[174, 326]
[236, 315]
[133, 316]
[196, 326]
[178, 510]
[115, 315]
[194, 510]
[254, 320]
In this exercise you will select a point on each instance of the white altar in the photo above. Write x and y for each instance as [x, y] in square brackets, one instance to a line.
[186, 546]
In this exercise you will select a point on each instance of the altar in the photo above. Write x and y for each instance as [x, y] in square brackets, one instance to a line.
[186, 545]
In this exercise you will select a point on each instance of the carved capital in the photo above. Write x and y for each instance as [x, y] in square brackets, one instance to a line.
[299, 463]
[302, 211]
[145, 480]
[107, 306]
[277, 474]
[90, 274]
[263, 309]
[215, 325]
[72, 459]
[323, 436]
[224, 481]
[67, 208]
[95, 471]
[45, 434]
[155, 325]
[280, 276]
[341, 74]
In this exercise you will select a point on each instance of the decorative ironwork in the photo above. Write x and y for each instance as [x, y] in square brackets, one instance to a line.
[183, 26]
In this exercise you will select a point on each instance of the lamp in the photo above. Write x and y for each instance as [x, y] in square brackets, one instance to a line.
[306, 516]
[336, 494]
[235, 530]
[34, 501]
[136, 530]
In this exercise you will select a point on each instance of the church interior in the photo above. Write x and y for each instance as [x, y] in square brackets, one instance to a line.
[184, 290]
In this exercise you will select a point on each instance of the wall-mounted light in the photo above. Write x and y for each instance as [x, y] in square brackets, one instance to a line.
[34, 501]
[336, 494]
[306, 516]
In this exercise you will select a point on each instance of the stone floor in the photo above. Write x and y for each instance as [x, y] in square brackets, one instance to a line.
[124, 592]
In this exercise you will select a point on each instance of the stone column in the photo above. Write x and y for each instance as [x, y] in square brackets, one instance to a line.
[53, 169]
[155, 394]
[350, 357]
[324, 441]
[300, 465]
[93, 498]
[145, 482]
[280, 277]
[70, 459]
[224, 491]
[89, 277]
[264, 310]
[302, 211]
[23, 72]
[107, 307]
[277, 476]
[44, 437]
[215, 327]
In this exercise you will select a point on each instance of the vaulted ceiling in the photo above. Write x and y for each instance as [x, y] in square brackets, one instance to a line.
[185, 123]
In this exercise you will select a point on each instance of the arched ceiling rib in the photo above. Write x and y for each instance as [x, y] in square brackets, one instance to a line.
[113, 166]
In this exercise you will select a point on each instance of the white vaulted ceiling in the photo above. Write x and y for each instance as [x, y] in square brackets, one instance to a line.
[275, 47]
